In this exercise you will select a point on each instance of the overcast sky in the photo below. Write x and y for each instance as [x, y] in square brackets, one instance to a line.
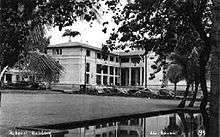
[90, 35]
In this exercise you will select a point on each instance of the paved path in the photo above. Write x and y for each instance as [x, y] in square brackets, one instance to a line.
[39, 109]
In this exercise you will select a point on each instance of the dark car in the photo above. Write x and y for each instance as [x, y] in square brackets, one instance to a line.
[88, 89]
[28, 85]
[146, 93]
[166, 94]
[132, 91]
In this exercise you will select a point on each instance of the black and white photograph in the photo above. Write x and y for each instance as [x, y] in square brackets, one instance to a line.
[109, 68]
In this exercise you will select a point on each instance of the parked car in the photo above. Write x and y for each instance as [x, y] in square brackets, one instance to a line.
[146, 93]
[88, 89]
[132, 91]
[28, 85]
[166, 94]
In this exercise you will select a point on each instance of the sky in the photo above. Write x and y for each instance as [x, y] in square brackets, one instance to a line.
[89, 35]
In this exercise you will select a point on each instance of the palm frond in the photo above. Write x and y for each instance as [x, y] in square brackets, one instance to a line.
[70, 33]
[45, 65]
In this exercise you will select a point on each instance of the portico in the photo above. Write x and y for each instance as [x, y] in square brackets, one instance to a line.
[132, 76]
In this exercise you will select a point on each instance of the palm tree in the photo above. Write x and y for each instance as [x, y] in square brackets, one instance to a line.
[33, 60]
[70, 33]
[44, 64]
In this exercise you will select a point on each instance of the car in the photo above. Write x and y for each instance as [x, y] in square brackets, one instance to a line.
[166, 94]
[88, 89]
[146, 93]
[107, 91]
[26, 85]
[132, 91]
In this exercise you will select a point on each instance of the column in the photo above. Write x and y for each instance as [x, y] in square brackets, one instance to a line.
[102, 77]
[108, 75]
[141, 76]
[214, 125]
[129, 76]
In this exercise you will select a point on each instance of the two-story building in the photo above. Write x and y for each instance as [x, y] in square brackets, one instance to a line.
[84, 64]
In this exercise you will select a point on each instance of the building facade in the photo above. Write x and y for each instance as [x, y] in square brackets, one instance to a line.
[84, 64]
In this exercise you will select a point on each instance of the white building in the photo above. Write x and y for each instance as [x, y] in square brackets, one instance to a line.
[84, 63]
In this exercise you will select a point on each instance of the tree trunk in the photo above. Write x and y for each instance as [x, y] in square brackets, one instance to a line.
[214, 122]
[1, 75]
[175, 84]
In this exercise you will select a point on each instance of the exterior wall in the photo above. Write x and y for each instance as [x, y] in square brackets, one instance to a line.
[74, 60]
[70, 60]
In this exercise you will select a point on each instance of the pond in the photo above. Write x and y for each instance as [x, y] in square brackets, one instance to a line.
[170, 125]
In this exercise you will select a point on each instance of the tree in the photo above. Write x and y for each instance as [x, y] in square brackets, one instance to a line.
[174, 74]
[21, 18]
[70, 33]
[167, 26]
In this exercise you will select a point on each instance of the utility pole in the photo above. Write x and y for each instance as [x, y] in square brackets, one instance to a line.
[85, 76]
[145, 71]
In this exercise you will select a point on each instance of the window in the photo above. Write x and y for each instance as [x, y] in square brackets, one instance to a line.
[105, 57]
[111, 70]
[116, 71]
[9, 78]
[98, 79]
[111, 58]
[111, 81]
[117, 59]
[87, 78]
[104, 135]
[17, 78]
[123, 122]
[116, 81]
[98, 68]
[88, 53]
[135, 60]
[57, 51]
[105, 78]
[124, 59]
[87, 127]
[53, 51]
[98, 55]
[105, 69]
[97, 135]
[134, 133]
[98, 126]
[134, 121]
[104, 125]
[87, 67]
[111, 124]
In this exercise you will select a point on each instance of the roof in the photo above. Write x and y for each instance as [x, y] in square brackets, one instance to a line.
[83, 45]
[132, 53]
[73, 44]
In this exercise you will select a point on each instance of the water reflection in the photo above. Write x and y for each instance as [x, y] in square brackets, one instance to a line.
[172, 125]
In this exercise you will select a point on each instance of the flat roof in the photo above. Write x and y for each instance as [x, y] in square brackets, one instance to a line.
[73, 44]
[83, 45]
[132, 53]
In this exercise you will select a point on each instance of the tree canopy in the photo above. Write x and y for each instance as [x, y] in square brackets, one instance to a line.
[23, 24]
[166, 26]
